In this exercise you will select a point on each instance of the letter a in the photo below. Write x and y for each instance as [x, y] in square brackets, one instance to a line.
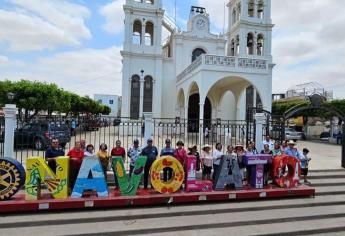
[90, 177]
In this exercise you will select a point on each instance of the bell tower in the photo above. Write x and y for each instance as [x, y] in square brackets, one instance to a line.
[142, 58]
[250, 29]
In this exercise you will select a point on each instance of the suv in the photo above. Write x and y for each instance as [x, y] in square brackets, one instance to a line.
[39, 135]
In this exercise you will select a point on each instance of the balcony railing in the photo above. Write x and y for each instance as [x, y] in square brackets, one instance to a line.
[235, 63]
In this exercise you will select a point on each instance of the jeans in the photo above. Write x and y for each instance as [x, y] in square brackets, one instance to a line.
[148, 165]
[215, 171]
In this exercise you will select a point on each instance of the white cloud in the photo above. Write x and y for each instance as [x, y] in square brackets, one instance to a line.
[3, 59]
[85, 71]
[37, 25]
[114, 15]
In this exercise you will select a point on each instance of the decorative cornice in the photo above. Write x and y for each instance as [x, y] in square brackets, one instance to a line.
[141, 55]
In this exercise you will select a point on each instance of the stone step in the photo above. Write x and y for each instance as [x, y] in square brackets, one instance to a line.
[272, 221]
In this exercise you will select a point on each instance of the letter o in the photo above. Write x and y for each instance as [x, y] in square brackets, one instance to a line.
[175, 182]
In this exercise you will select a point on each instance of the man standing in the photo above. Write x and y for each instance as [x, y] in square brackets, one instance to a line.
[167, 151]
[133, 154]
[291, 150]
[269, 142]
[52, 153]
[151, 153]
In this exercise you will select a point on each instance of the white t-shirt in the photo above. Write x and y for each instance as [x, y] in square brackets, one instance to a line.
[270, 144]
[217, 154]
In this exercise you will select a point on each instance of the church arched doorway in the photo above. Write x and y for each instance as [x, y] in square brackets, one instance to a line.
[194, 112]
[197, 53]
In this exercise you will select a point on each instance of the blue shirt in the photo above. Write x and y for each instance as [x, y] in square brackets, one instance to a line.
[150, 152]
[292, 152]
[54, 152]
[167, 152]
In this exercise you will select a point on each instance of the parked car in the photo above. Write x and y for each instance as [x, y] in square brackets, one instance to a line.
[290, 134]
[117, 122]
[324, 136]
[92, 124]
[39, 135]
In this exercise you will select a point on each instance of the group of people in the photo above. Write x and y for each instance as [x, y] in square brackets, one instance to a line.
[208, 160]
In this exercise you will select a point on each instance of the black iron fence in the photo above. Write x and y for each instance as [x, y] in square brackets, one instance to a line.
[32, 138]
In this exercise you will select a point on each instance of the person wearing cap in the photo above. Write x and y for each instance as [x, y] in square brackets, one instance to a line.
[194, 152]
[180, 153]
[133, 154]
[167, 151]
[217, 156]
[206, 162]
[291, 150]
[151, 152]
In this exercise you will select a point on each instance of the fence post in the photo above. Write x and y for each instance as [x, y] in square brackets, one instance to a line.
[10, 122]
[260, 120]
[149, 127]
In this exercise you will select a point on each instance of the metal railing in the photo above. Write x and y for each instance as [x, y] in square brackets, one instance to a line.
[31, 141]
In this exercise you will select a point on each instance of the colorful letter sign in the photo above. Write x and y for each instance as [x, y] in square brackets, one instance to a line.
[38, 171]
[175, 182]
[291, 179]
[192, 185]
[256, 164]
[128, 187]
[90, 177]
[228, 174]
[12, 178]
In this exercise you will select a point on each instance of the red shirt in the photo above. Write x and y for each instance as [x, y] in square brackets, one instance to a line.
[181, 155]
[118, 152]
[76, 157]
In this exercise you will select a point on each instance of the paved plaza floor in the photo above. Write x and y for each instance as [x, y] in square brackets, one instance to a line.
[324, 155]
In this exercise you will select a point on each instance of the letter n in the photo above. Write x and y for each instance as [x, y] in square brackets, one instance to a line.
[37, 172]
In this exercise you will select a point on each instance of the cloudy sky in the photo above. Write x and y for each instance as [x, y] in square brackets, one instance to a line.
[76, 43]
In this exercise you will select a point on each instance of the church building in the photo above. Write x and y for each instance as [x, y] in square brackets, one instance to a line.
[195, 74]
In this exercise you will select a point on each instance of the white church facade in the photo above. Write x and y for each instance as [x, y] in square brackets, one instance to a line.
[195, 74]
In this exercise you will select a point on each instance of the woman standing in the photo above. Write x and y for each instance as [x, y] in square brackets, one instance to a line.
[76, 155]
[104, 157]
[276, 150]
[240, 152]
[194, 152]
[206, 162]
[180, 153]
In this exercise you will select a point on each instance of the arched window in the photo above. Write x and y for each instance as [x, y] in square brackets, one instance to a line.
[149, 34]
[250, 44]
[232, 48]
[237, 50]
[197, 53]
[239, 11]
[251, 8]
[148, 93]
[137, 32]
[135, 97]
[234, 16]
[261, 9]
[260, 45]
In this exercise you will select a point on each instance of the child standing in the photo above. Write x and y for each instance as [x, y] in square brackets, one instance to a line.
[304, 164]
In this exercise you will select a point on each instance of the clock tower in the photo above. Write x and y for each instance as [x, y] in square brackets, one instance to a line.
[198, 19]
